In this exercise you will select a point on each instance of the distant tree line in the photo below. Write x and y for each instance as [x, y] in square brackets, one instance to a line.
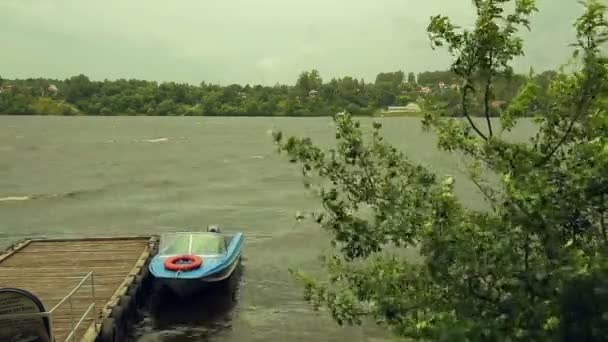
[310, 96]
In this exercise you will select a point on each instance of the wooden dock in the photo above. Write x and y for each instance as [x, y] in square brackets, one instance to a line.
[51, 269]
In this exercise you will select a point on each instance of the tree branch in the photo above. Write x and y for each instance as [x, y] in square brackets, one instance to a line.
[562, 140]
[527, 265]
[603, 219]
[526, 253]
[465, 110]
[485, 192]
[579, 109]
[476, 155]
[370, 180]
[478, 295]
[487, 102]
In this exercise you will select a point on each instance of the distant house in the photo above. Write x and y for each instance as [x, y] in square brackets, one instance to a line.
[413, 108]
[392, 109]
[6, 88]
[313, 93]
[424, 90]
[441, 85]
[410, 108]
[498, 104]
[53, 89]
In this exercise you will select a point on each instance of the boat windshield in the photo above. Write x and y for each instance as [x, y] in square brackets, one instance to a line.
[196, 244]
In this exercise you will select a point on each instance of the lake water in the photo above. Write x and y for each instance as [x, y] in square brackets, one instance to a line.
[108, 176]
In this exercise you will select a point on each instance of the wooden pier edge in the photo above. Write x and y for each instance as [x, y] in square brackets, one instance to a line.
[94, 329]
[14, 248]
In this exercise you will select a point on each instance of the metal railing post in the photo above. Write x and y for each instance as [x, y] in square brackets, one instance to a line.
[94, 300]
[50, 317]
[71, 316]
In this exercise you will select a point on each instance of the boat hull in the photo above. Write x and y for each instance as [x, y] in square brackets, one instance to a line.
[188, 287]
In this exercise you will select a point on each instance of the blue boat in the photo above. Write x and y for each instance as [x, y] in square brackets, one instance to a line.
[188, 262]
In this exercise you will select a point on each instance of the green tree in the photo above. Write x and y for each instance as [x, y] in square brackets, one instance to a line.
[166, 107]
[78, 87]
[394, 78]
[432, 78]
[411, 78]
[531, 267]
[211, 103]
[315, 79]
[308, 81]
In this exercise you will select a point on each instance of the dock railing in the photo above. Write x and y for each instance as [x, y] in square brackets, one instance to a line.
[67, 299]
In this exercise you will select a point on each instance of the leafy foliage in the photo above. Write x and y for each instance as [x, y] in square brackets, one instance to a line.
[532, 267]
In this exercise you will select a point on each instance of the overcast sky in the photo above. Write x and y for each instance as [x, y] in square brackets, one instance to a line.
[245, 41]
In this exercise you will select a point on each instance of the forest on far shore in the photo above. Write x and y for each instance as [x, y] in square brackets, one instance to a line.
[309, 96]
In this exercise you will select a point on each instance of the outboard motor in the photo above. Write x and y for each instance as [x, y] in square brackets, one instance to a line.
[213, 229]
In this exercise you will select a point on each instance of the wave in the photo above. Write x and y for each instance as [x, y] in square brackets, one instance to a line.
[155, 140]
[14, 198]
[69, 194]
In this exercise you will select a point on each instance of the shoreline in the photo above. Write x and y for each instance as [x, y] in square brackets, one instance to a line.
[419, 115]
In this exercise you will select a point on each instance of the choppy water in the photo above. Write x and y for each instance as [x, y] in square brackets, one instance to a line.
[104, 176]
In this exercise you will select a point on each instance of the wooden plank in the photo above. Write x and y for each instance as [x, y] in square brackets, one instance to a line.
[99, 249]
[79, 248]
[83, 247]
[74, 259]
[51, 296]
[67, 270]
[14, 249]
[99, 242]
[109, 238]
[90, 244]
[100, 279]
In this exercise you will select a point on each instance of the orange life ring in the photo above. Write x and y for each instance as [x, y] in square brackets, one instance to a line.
[183, 263]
